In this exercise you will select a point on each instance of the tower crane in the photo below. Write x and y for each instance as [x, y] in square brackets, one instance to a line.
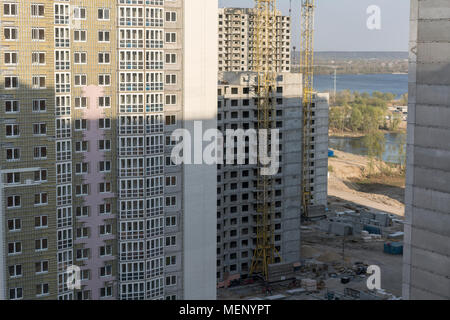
[307, 68]
[264, 49]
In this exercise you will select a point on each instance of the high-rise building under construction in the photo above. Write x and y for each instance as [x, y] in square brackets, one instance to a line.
[237, 40]
[90, 92]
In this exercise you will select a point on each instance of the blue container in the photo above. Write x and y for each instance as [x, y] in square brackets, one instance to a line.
[330, 153]
[372, 229]
[395, 248]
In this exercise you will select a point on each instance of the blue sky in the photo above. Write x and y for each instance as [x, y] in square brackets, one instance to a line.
[341, 24]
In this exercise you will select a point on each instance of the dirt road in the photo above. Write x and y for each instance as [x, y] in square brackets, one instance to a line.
[346, 168]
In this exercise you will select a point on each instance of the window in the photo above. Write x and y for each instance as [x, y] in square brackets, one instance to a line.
[106, 271]
[14, 248]
[105, 166]
[12, 130]
[38, 34]
[171, 99]
[81, 168]
[10, 58]
[10, 33]
[106, 292]
[40, 153]
[171, 221]
[40, 175]
[171, 281]
[171, 16]
[104, 58]
[80, 57]
[171, 261]
[104, 145]
[11, 82]
[171, 37]
[37, 10]
[80, 102]
[80, 35]
[13, 202]
[42, 289]
[39, 129]
[171, 120]
[14, 225]
[171, 241]
[10, 9]
[82, 212]
[171, 181]
[38, 58]
[106, 230]
[82, 233]
[80, 80]
[105, 208]
[104, 102]
[12, 154]
[15, 293]
[82, 190]
[171, 58]
[15, 271]
[13, 178]
[79, 13]
[41, 244]
[171, 79]
[38, 82]
[81, 146]
[171, 201]
[105, 187]
[104, 124]
[103, 36]
[104, 80]
[41, 267]
[81, 124]
[41, 222]
[12, 106]
[106, 251]
[40, 199]
[82, 254]
[103, 14]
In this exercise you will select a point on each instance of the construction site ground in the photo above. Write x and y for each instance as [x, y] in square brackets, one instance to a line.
[347, 191]
[346, 183]
[340, 256]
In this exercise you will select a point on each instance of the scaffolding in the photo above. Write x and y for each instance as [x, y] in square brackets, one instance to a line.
[307, 67]
[265, 49]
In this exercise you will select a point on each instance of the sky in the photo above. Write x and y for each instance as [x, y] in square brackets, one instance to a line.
[341, 25]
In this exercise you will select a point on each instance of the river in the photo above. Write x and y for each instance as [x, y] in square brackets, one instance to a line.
[386, 83]
[356, 146]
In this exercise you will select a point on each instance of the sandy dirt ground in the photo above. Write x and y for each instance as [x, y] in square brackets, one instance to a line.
[346, 169]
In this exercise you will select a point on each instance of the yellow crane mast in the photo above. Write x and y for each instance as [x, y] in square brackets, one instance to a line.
[307, 67]
[265, 65]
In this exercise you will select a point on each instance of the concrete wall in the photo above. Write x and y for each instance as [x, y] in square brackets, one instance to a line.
[426, 273]
[200, 103]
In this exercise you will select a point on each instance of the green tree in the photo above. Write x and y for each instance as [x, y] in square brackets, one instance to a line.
[356, 119]
[375, 142]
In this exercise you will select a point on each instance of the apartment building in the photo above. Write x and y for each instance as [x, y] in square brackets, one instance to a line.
[426, 259]
[236, 40]
[91, 92]
[237, 196]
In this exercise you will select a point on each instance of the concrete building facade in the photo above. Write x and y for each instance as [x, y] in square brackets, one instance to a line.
[236, 41]
[236, 200]
[90, 94]
[426, 272]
